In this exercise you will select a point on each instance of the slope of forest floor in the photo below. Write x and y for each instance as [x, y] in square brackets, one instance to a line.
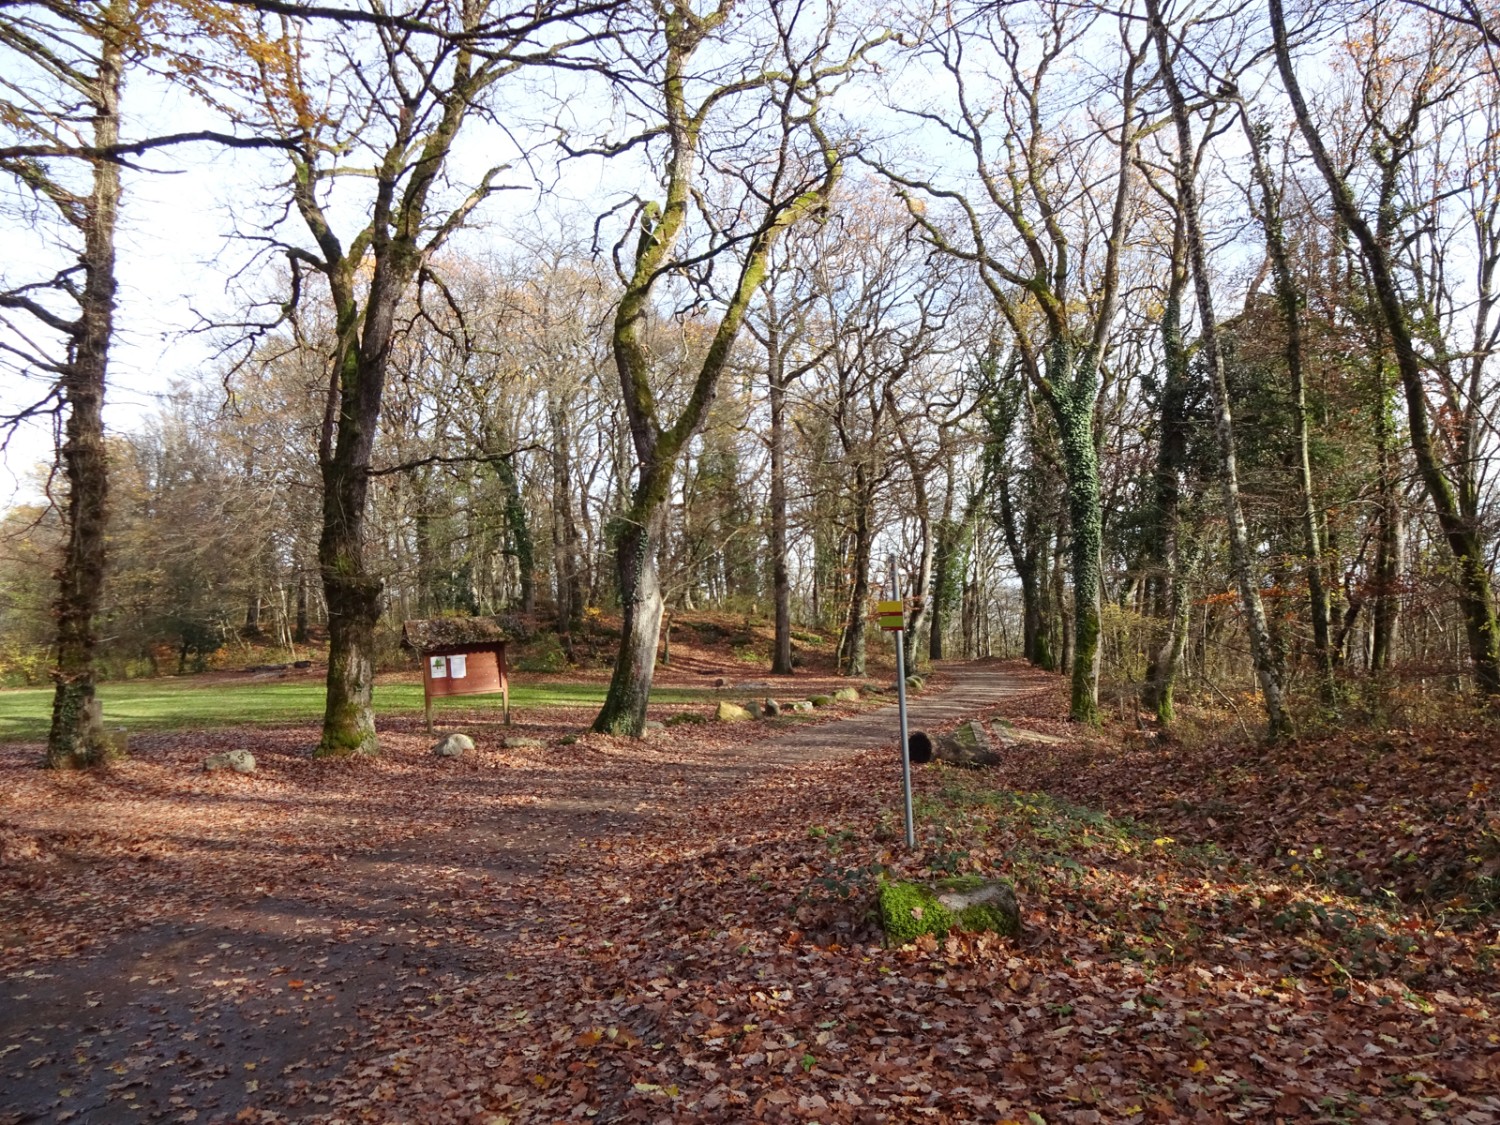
[676, 930]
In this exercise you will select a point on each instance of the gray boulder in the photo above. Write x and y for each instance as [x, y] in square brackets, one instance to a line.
[452, 745]
[802, 706]
[240, 761]
[772, 708]
[510, 742]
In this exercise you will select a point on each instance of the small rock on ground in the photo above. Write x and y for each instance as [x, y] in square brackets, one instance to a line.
[451, 746]
[240, 761]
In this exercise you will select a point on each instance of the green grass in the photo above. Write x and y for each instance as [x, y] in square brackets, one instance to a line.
[188, 704]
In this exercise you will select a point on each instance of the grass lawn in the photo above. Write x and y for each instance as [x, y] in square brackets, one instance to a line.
[189, 704]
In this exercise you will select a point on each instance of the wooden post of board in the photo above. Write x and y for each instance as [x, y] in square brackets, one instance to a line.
[426, 689]
[504, 686]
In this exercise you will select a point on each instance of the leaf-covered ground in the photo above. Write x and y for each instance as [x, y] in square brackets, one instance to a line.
[677, 931]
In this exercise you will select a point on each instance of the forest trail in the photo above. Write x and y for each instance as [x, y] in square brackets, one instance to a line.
[968, 690]
[250, 997]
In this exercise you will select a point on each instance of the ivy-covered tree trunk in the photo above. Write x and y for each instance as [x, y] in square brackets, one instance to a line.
[1075, 423]
[516, 523]
[1167, 595]
[1385, 614]
[852, 642]
[76, 737]
[1025, 556]
[952, 560]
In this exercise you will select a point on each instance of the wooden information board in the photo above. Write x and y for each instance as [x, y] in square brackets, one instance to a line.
[460, 656]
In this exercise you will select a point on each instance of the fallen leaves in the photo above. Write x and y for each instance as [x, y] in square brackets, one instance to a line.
[675, 931]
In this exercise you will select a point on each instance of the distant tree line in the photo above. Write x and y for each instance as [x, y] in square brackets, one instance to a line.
[1154, 342]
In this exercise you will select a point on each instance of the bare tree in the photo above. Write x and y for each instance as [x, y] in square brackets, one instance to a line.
[770, 65]
[397, 92]
[1043, 216]
[1426, 87]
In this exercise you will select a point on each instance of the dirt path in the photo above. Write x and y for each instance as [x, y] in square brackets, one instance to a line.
[243, 1003]
[969, 690]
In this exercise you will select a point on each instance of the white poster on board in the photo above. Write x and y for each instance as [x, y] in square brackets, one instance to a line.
[458, 666]
[439, 667]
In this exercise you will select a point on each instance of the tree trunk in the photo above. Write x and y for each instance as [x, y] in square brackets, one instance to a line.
[300, 636]
[564, 531]
[1169, 602]
[1289, 299]
[1465, 538]
[1386, 613]
[1075, 418]
[521, 544]
[636, 547]
[922, 593]
[852, 643]
[948, 570]
[76, 737]
[352, 594]
[1261, 654]
[781, 579]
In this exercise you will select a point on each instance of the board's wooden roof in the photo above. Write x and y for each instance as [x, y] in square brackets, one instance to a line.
[425, 634]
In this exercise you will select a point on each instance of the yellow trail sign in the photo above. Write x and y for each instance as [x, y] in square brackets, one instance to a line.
[892, 615]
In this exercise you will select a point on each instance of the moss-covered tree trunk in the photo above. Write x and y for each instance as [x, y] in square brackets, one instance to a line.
[637, 540]
[352, 594]
[75, 737]
[796, 193]
[1075, 423]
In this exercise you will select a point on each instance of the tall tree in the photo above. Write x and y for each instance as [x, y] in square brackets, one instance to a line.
[1266, 670]
[1043, 218]
[68, 126]
[398, 93]
[1416, 77]
[775, 87]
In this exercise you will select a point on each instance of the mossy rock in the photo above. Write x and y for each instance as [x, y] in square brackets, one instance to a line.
[821, 700]
[915, 683]
[847, 695]
[968, 903]
[732, 713]
[686, 717]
